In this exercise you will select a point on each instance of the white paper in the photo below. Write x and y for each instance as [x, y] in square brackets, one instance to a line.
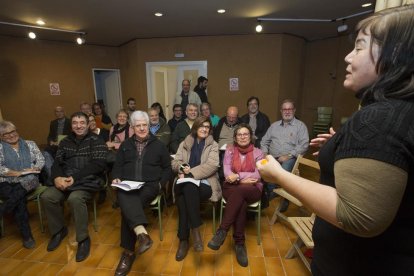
[29, 172]
[128, 185]
[188, 179]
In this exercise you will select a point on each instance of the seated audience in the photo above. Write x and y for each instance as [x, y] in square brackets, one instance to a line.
[101, 118]
[101, 132]
[285, 140]
[206, 111]
[20, 164]
[242, 187]
[85, 108]
[223, 132]
[158, 107]
[200, 89]
[177, 117]
[158, 127]
[258, 121]
[143, 158]
[184, 128]
[77, 173]
[131, 105]
[120, 131]
[196, 158]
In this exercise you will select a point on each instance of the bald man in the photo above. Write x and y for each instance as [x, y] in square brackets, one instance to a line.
[223, 132]
[60, 126]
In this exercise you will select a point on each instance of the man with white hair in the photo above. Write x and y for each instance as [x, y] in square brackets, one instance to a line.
[142, 158]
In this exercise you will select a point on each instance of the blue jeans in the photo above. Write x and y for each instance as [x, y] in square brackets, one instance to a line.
[287, 166]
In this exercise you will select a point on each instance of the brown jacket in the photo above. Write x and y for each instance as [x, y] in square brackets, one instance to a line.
[208, 167]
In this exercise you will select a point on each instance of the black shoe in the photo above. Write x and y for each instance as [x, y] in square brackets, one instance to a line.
[125, 263]
[182, 250]
[241, 254]
[29, 243]
[144, 243]
[217, 239]
[284, 205]
[57, 239]
[83, 249]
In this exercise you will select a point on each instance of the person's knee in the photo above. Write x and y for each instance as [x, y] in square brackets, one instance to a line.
[50, 196]
[75, 200]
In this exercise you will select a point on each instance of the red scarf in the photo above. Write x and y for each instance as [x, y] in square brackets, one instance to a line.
[248, 165]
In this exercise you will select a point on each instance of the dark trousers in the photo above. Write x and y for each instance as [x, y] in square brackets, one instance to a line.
[238, 197]
[13, 196]
[188, 198]
[132, 204]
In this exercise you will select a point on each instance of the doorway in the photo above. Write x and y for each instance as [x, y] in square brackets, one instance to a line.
[107, 84]
[164, 80]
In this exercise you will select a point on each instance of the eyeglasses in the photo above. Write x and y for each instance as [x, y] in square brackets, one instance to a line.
[240, 135]
[9, 134]
[287, 109]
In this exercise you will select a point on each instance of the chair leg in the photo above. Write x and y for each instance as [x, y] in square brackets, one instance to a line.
[221, 210]
[39, 209]
[214, 218]
[258, 224]
[159, 215]
[95, 224]
[278, 214]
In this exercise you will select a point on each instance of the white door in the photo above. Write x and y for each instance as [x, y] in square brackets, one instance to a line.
[108, 90]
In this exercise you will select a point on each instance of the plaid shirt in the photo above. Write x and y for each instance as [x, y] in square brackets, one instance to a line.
[140, 145]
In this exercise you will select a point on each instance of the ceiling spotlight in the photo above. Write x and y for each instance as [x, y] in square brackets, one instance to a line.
[259, 28]
[158, 14]
[32, 35]
[221, 11]
[40, 22]
[366, 5]
[80, 40]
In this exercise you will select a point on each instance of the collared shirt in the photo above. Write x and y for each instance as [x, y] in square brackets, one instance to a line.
[154, 128]
[283, 139]
[253, 122]
[140, 145]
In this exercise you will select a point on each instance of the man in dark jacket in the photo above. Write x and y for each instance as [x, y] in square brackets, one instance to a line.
[258, 121]
[141, 158]
[58, 127]
[76, 173]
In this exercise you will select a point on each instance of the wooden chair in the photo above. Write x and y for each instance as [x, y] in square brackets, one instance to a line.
[285, 195]
[255, 207]
[32, 196]
[324, 121]
[156, 205]
[303, 228]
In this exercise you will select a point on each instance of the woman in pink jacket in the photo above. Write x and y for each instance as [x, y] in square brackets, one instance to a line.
[242, 187]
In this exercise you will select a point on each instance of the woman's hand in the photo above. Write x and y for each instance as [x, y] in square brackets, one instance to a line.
[232, 178]
[180, 175]
[321, 140]
[249, 181]
[186, 169]
[269, 169]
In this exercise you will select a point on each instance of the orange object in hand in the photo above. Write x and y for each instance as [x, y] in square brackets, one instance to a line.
[263, 162]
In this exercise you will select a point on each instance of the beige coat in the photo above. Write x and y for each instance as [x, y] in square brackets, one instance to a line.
[208, 167]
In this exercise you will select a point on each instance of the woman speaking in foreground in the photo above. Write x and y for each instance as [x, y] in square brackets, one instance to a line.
[365, 204]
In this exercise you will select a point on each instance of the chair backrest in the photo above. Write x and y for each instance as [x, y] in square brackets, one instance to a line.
[300, 160]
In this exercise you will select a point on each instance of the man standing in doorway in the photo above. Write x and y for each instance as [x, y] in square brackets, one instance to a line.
[201, 87]
[186, 96]
[131, 106]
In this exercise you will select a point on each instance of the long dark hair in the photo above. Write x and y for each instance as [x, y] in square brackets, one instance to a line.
[161, 114]
[392, 30]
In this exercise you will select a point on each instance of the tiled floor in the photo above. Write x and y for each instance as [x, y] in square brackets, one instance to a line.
[265, 259]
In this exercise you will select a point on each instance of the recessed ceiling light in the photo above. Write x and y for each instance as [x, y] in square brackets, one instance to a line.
[158, 14]
[259, 27]
[366, 5]
[32, 35]
[40, 22]
[221, 11]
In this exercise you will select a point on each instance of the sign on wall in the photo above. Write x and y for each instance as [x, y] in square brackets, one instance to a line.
[234, 84]
[54, 89]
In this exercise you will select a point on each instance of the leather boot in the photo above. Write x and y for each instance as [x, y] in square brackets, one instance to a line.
[197, 242]
[182, 250]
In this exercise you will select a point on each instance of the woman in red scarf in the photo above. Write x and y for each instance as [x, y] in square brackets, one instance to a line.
[242, 187]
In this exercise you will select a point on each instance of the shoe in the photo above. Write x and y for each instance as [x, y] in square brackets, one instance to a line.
[29, 243]
[144, 243]
[241, 254]
[197, 242]
[125, 263]
[217, 239]
[182, 250]
[57, 239]
[83, 249]
[284, 205]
